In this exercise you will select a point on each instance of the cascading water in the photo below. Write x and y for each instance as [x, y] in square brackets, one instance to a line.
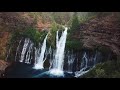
[52, 55]
[40, 59]
[18, 49]
[84, 65]
[28, 55]
[71, 59]
[95, 58]
[36, 53]
[57, 65]
[50, 59]
[27, 40]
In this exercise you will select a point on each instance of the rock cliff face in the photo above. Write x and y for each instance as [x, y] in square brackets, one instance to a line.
[3, 66]
[104, 31]
[11, 22]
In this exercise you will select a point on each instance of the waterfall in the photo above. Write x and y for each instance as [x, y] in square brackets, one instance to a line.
[50, 59]
[58, 61]
[50, 52]
[85, 61]
[36, 53]
[40, 59]
[84, 65]
[26, 42]
[57, 39]
[18, 49]
[71, 59]
[28, 55]
[8, 54]
[52, 55]
[95, 58]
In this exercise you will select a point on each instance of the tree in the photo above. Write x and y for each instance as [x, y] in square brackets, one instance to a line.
[75, 22]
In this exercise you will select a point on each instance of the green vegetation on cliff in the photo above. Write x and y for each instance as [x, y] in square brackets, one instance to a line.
[72, 43]
[35, 36]
[75, 22]
[109, 69]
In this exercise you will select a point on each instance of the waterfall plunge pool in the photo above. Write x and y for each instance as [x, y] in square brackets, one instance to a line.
[22, 70]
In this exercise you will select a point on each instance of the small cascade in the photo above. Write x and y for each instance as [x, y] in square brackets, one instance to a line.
[28, 54]
[24, 50]
[18, 49]
[57, 40]
[36, 54]
[95, 59]
[50, 53]
[40, 59]
[58, 61]
[71, 59]
[50, 58]
[8, 53]
[85, 65]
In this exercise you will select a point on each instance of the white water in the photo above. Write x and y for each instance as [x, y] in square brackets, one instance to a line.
[26, 51]
[36, 53]
[85, 60]
[84, 65]
[18, 49]
[57, 39]
[71, 59]
[58, 61]
[50, 52]
[50, 59]
[95, 58]
[40, 59]
[26, 42]
[81, 72]
[28, 55]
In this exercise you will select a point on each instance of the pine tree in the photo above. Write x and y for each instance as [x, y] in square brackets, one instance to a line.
[75, 22]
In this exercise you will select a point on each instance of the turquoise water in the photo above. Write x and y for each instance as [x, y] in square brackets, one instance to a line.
[21, 70]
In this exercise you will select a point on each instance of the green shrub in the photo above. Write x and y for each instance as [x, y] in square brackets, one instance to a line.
[34, 35]
[74, 45]
[16, 36]
[100, 73]
[109, 69]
